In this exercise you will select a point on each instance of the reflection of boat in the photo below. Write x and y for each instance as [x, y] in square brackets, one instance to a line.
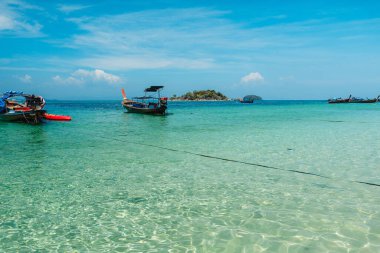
[146, 104]
[339, 100]
[20, 107]
[361, 100]
[16, 106]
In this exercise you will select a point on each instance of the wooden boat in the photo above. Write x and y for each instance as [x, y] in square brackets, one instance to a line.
[154, 105]
[19, 107]
[364, 101]
[339, 100]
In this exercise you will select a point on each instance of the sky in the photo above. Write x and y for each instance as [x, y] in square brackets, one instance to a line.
[275, 49]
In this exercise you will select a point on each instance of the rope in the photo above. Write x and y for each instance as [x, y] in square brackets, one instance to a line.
[241, 162]
[23, 114]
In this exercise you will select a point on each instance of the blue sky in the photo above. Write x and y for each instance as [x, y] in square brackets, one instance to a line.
[276, 49]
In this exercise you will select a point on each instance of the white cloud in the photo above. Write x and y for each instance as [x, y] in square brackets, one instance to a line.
[168, 38]
[82, 76]
[69, 80]
[96, 75]
[14, 23]
[197, 38]
[252, 77]
[6, 23]
[70, 8]
[25, 78]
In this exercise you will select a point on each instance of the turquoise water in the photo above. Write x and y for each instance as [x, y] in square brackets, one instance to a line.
[104, 182]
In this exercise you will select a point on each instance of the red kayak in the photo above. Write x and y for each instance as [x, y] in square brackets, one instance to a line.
[56, 117]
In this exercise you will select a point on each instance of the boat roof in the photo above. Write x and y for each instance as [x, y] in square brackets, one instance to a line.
[149, 97]
[10, 94]
[153, 88]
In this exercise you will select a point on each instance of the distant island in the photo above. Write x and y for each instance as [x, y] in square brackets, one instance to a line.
[250, 98]
[201, 95]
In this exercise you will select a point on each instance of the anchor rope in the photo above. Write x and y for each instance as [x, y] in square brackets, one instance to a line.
[237, 161]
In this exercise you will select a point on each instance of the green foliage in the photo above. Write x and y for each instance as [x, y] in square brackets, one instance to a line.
[201, 95]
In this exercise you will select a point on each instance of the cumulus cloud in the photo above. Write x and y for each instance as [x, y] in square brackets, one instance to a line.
[82, 76]
[96, 75]
[68, 80]
[252, 77]
[25, 78]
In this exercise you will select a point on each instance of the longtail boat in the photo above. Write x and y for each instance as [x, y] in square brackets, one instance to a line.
[152, 104]
[16, 106]
[364, 101]
[339, 100]
[20, 107]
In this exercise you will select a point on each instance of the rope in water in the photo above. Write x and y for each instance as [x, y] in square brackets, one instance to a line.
[237, 161]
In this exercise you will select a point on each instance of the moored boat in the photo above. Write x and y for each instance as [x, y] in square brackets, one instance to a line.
[16, 106]
[339, 100]
[154, 105]
[364, 101]
[353, 100]
[20, 107]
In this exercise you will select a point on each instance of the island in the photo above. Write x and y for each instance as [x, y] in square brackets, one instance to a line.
[250, 99]
[201, 95]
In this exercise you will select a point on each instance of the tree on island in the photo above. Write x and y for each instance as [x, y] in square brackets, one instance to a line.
[201, 95]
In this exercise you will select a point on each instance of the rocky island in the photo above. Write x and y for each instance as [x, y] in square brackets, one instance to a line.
[201, 95]
[250, 98]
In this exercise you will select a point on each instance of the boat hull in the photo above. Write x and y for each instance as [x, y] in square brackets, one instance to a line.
[153, 111]
[32, 117]
[339, 101]
[364, 101]
[368, 101]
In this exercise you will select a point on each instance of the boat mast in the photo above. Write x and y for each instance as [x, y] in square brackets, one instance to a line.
[159, 96]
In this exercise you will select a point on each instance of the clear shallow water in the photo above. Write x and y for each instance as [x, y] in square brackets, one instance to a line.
[87, 185]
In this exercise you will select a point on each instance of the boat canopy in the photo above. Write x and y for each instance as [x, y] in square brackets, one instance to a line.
[143, 97]
[7, 95]
[10, 94]
[32, 101]
[153, 88]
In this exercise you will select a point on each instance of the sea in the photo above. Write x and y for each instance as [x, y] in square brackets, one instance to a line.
[273, 176]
